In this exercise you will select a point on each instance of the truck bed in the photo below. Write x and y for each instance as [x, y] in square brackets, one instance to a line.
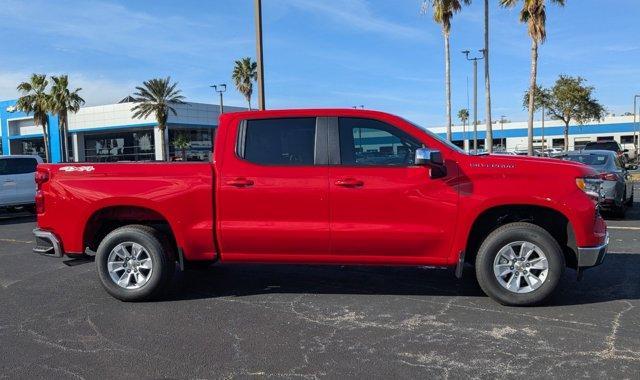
[180, 194]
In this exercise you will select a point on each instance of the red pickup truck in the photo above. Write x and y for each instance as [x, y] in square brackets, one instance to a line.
[326, 186]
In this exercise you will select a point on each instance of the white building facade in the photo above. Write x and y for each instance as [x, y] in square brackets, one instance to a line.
[111, 133]
[514, 136]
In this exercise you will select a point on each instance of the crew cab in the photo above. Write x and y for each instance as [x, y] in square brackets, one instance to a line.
[326, 186]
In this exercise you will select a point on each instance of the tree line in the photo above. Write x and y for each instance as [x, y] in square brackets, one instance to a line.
[569, 99]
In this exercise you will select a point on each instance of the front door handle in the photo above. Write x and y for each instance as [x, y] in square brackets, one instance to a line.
[240, 182]
[349, 182]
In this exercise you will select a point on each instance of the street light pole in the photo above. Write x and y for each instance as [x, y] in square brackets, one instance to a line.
[636, 135]
[475, 96]
[220, 88]
[259, 57]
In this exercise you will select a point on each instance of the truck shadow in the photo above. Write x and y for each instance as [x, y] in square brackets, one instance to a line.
[617, 278]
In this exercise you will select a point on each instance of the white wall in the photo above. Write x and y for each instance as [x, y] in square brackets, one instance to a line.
[117, 115]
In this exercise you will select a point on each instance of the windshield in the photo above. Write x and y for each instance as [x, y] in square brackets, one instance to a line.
[589, 159]
[438, 137]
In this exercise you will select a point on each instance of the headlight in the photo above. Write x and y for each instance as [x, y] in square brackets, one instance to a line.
[591, 186]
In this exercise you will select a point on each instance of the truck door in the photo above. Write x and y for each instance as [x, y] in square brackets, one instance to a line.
[273, 190]
[385, 209]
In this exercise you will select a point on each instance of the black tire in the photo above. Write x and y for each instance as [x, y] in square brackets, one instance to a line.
[511, 233]
[621, 211]
[630, 200]
[162, 258]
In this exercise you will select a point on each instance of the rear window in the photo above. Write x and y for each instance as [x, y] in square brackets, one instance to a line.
[9, 166]
[590, 159]
[288, 141]
[607, 145]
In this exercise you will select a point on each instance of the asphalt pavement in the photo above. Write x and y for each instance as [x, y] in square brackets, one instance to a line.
[285, 321]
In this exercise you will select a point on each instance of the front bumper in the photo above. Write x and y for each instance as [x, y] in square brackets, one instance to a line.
[592, 256]
[47, 244]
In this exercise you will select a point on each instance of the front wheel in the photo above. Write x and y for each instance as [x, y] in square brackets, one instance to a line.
[134, 264]
[519, 264]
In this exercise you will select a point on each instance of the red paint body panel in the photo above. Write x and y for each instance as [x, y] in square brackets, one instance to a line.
[257, 213]
[180, 192]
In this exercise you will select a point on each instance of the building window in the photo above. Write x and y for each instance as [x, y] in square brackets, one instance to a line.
[628, 139]
[119, 146]
[33, 146]
[500, 144]
[604, 138]
[458, 143]
[557, 143]
[190, 144]
[579, 143]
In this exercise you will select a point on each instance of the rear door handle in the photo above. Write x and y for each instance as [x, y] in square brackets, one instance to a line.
[349, 182]
[240, 182]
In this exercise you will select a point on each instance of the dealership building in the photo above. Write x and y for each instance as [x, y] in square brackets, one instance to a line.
[514, 136]
[110, 133]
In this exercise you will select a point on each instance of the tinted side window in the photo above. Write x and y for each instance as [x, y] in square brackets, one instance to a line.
[371, 142]
[10, 166]
[280, 141]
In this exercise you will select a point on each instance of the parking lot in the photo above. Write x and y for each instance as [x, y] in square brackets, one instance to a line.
[314, 322]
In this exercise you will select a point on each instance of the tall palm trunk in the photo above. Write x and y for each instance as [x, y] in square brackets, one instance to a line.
[487, 85]
[65, 135]
[532, 89]
[447, 90]
[45, 137]
[163, 142]
[249, 101]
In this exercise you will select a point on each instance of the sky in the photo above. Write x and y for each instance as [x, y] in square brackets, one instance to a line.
[381, 54]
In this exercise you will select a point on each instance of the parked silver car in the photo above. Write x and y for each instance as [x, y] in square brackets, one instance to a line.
[617, 186]
[17, 181]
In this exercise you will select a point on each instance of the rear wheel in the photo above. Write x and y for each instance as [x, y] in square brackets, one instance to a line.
[519, 264]
[134, 263]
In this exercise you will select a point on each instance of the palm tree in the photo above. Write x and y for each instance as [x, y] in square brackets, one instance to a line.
[182, 142]
[61, 102]
[533, 13]
[245, 72]
[463, 115]
[35, 100]
[156, 96]
[443, 11]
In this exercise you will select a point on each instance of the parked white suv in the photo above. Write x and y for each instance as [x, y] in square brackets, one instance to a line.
[17, 182]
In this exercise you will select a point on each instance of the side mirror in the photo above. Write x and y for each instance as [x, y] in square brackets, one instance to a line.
[433, 159]
[625, 151]
[631, 167]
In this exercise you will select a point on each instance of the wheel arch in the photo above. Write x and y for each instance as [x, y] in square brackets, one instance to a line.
[108, 218]
[552, 220]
